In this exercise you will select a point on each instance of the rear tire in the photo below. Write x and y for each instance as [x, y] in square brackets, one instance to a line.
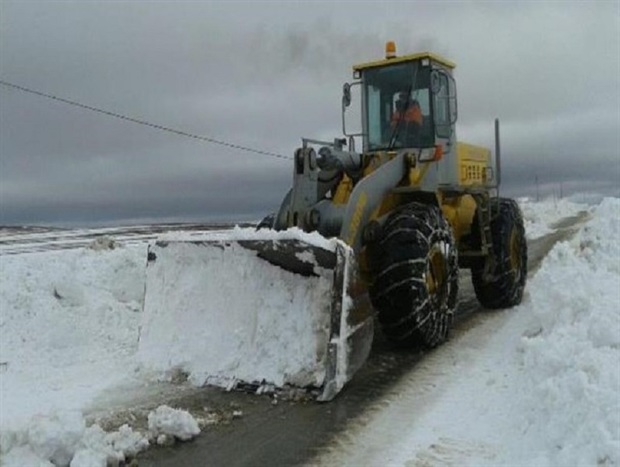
[508, 276]
[415, 276]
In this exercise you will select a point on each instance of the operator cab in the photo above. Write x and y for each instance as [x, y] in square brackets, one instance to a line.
[407, 102]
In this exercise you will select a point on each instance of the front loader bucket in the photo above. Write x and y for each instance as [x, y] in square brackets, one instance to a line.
[284, 310]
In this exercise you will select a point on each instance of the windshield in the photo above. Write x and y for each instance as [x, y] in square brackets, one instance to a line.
[398, 107]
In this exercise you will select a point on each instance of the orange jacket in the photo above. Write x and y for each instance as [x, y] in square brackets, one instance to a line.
[412, 114]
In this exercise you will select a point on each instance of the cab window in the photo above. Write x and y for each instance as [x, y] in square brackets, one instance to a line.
[387, 125]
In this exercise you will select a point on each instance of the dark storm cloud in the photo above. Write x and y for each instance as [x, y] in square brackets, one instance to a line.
[171, 201]
[263, 75]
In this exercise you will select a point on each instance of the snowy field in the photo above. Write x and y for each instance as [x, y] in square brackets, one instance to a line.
[69, 327]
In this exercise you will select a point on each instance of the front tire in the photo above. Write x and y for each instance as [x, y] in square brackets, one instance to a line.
[415, 276]
[504, 286]
[268, 222]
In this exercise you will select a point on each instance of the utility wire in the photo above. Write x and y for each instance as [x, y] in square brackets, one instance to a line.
[142, 122]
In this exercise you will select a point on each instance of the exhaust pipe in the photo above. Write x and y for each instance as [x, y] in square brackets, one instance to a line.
[498, 166]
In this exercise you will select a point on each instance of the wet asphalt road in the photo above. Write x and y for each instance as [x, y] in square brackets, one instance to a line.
[296, 433]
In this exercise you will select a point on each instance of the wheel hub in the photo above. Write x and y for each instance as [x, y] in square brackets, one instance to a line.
[436, 271]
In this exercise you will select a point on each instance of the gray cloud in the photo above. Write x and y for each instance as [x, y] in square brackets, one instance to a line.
[265, 74]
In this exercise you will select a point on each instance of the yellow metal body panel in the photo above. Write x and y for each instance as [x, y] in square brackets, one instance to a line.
[472, 164]
[377, 160]
[345, 187]
[417, 173]
[343, 191]
[414, 179]
[458, 210]
[356, 219]
[405, 58]
[459, 213]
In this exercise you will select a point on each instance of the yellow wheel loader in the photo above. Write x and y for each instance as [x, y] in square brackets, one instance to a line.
[380, 233]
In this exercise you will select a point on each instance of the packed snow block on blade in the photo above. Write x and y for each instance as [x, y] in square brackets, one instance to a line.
[279, 311]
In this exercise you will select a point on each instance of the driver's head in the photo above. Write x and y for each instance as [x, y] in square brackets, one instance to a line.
[403, 97]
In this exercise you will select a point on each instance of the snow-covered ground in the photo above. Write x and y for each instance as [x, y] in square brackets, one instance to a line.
[545, 388]
[540, 218]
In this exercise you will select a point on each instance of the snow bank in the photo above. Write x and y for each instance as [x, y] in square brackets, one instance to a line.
[68, 331]
[571, 348]
[68, 327]
[540, 217]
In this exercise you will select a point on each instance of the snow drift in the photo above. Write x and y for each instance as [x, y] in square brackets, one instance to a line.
[571, 347]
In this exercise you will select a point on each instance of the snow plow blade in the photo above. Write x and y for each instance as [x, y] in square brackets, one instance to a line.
[285, 311]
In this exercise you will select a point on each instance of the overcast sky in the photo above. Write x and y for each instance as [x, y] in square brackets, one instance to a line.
[264, 74]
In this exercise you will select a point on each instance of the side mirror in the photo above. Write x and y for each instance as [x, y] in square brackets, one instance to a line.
[346, 102]
[346, 95]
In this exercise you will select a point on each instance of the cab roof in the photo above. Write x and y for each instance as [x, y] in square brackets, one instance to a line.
[404, 58]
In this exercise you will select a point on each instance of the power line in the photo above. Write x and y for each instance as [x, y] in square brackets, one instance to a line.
[142, 122]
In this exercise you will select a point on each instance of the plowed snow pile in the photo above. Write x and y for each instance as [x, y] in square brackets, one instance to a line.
[571, 348]
[540, 217]
[221, 314]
